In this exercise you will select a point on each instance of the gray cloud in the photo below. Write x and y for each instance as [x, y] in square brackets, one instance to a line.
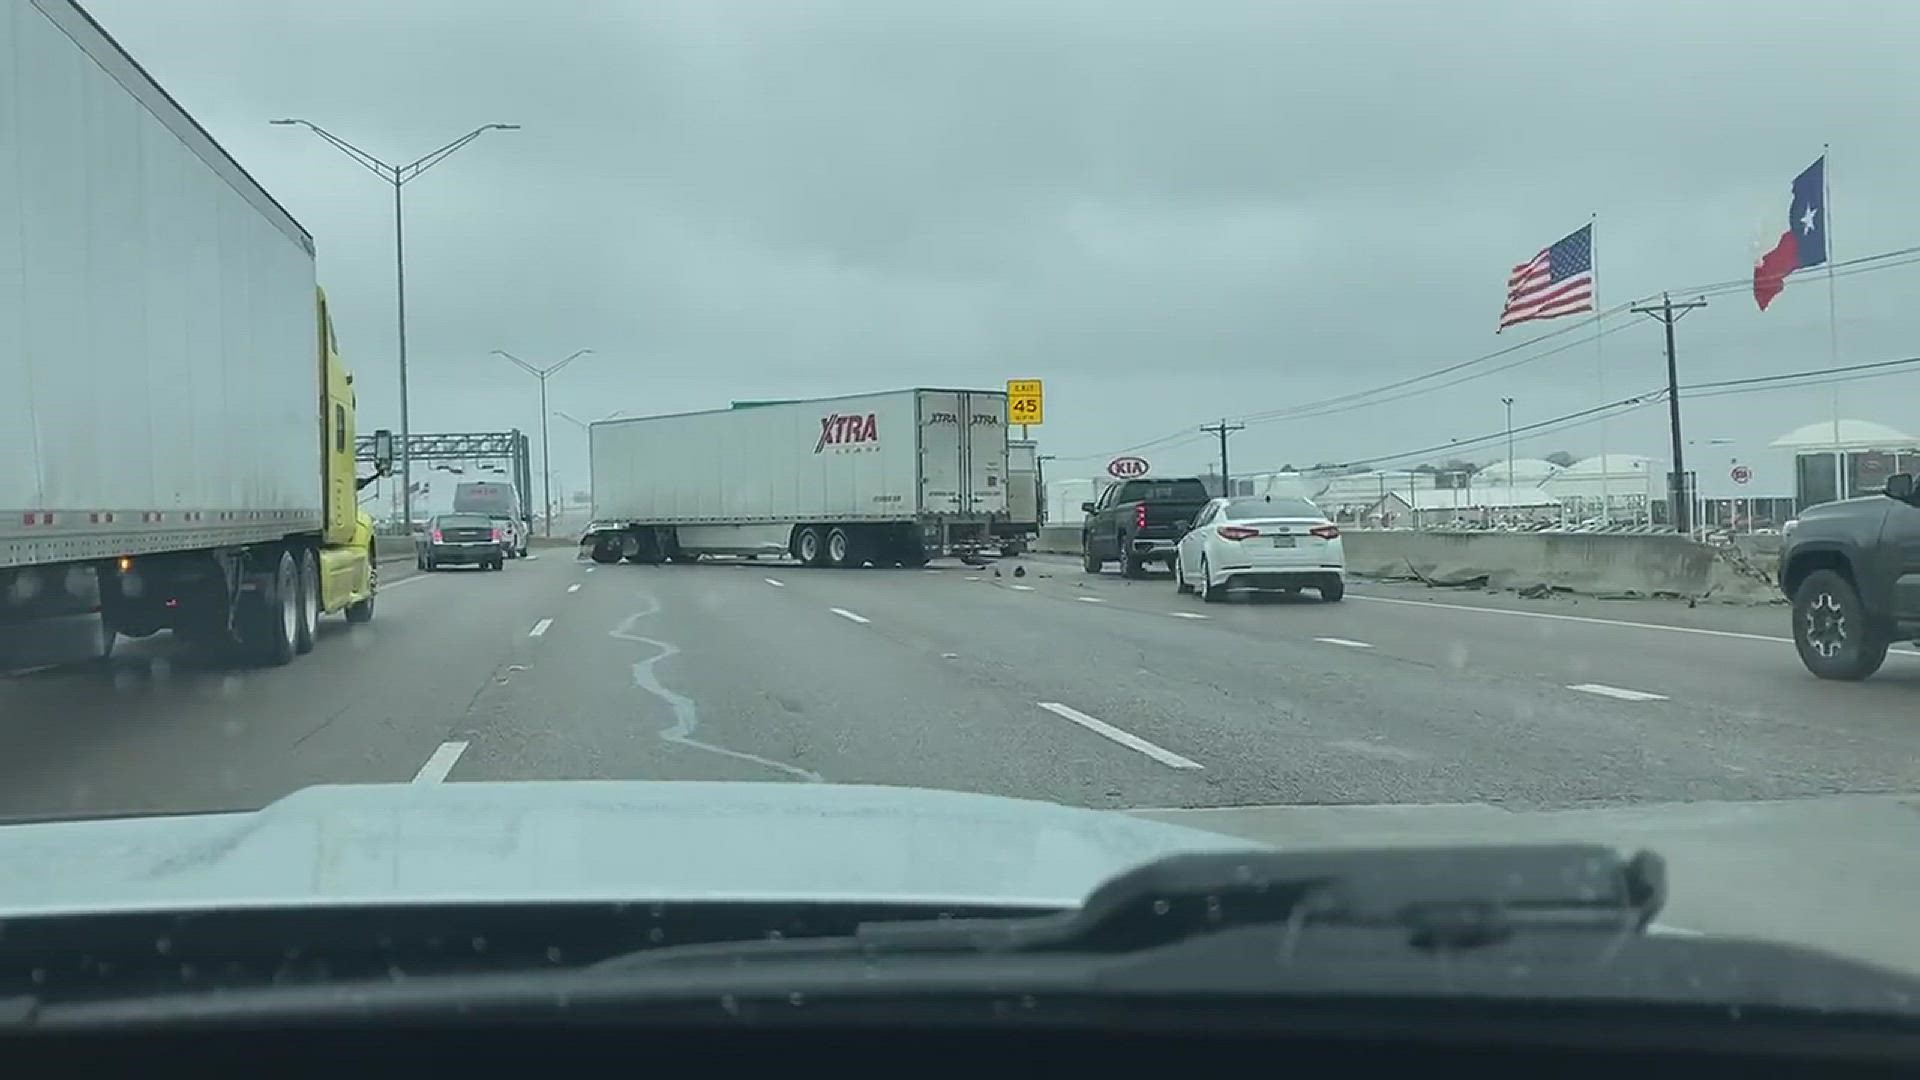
[1169, 213]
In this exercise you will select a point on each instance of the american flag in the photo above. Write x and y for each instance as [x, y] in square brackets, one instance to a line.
[1556, 282]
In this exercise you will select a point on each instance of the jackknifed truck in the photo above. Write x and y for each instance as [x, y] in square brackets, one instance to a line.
[887, 479]
[177, 427]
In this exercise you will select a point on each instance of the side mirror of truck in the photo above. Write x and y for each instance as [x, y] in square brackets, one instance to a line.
[383, 452]
[1086, 508]
[1899, 486]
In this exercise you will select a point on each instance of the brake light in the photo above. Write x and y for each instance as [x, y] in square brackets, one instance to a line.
[436, 536]
[1140, 516]
[496, 536]
[1326, 532]
[1237, 532]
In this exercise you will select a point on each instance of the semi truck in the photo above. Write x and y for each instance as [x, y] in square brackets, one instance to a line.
[888, 479]
[177, 426]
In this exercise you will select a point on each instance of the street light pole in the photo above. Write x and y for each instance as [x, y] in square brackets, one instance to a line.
[1508, 402]
[546, 460]
[398, 175]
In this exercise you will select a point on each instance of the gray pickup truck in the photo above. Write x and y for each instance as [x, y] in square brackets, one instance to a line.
[1852, 570]
[1139, 521]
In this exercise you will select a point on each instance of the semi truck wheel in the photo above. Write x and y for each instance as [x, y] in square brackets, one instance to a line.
[840, 549]
[809, 547]
[309, 624]
[273, 616]
[605, 550]
[362, 611]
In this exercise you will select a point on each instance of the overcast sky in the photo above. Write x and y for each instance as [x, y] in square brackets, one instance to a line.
[1170, 212]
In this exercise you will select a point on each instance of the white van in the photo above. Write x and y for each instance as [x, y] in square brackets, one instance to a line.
[501, 503]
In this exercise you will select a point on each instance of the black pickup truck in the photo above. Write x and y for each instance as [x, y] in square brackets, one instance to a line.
[1852, 570]
[1136, 522]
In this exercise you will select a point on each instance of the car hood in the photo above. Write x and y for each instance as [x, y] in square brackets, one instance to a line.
[585, 840]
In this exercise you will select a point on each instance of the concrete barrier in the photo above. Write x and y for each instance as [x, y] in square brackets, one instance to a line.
[1058, 540]
[1592, 563]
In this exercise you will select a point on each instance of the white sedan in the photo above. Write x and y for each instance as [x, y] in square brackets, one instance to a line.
[1261, 542]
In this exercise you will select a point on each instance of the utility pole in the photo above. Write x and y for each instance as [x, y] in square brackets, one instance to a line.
[546, 458]
[1678, 501]
[1508, 402]
[1223, 429]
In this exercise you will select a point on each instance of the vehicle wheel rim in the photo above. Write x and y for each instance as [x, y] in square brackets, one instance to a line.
[1205, 584]
[837, 547]
[310, 601]
[809, 546]
[289, 602]
[1826, 625]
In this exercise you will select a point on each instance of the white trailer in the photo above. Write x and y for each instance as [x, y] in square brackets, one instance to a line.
[890, 479]
[174, 413]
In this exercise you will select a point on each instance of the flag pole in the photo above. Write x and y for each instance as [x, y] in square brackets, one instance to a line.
[1833, 329]
[1600, 369]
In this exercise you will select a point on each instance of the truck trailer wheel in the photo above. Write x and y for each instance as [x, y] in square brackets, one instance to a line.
[843, 551]
[605, 550]
[1831, 630]
[809, 547]
[273, 616]
[309, 624]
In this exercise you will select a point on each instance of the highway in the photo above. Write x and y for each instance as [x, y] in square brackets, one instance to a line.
[1403, 713]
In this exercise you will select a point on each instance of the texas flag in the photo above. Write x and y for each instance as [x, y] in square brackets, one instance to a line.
[1804, 243]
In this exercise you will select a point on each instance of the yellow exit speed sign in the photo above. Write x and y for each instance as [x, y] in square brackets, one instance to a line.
[1026, 401]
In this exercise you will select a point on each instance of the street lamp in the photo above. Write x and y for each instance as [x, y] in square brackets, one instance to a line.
[546, 460]
[398, 175]
[1508, 402]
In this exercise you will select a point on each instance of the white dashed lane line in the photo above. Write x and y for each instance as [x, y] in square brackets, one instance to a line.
[540, 628]
[1186, 615]
[1621, 693]
[1089, 599]
[575, 587]
[444, 757]
[1022, 588]
[1132, 742]
[774, 582]
[849, 615]
[1344, 642]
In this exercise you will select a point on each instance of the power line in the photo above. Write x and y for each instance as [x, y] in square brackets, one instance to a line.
[1596, 413]
[1885, 260]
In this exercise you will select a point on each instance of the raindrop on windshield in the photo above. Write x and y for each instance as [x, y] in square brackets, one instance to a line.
[1161, 907]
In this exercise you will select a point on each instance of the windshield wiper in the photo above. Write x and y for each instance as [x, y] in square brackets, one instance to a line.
[1439, 898]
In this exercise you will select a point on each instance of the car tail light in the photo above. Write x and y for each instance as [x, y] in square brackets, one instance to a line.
[1326, 532]
[436, 536]
[1237, 532]
[496, 536]
[1140, 516]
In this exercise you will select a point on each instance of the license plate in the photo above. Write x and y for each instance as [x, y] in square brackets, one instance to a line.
[1283, 541]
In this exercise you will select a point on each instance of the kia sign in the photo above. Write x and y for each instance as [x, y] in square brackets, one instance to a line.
[1126, 468]
[1741, 474]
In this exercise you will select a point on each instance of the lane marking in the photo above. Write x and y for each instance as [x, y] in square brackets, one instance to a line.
[930, 571]
[1599, 622]
[575, 587]
[1089, 599]
[440, 763]
[845, 614]
[973, 579]
[408, 580]
[1346, 642]
[1616, 692]
[1132, 742]
[1186, 615]
[540, 628]
[1022, 588]
[530, 557]
[774, 582]
[1382, 751]
[589, 569]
